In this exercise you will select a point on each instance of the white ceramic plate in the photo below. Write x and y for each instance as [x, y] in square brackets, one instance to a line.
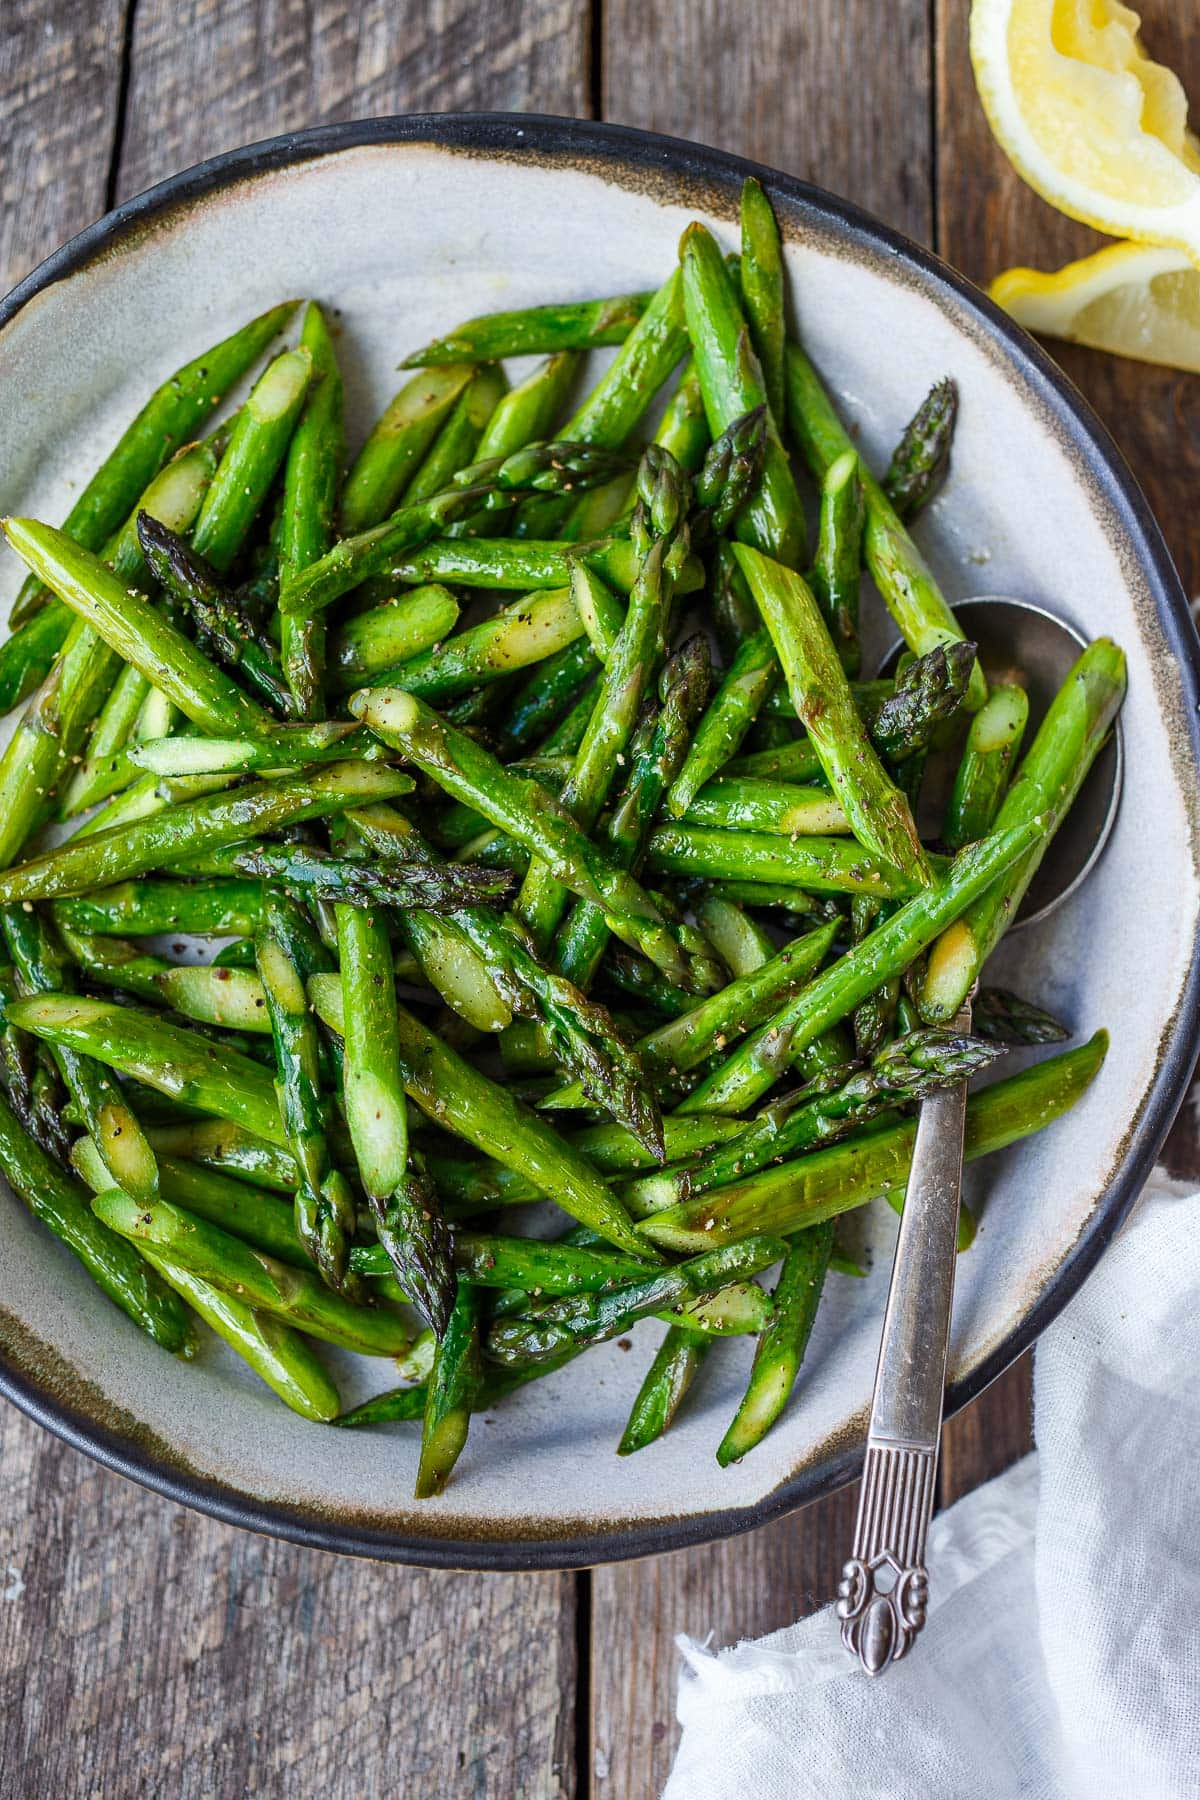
[405, 227]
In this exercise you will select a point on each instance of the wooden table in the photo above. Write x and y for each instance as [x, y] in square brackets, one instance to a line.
[145, 1649]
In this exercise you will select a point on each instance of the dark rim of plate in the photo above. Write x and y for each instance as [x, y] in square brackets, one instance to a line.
[650, 157]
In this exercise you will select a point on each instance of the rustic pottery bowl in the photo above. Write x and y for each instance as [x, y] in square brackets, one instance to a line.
[406, 226]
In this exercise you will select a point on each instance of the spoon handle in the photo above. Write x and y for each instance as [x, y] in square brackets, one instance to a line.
[884, 1589]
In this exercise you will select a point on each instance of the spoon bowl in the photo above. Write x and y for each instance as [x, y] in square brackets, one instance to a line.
[1020, 643]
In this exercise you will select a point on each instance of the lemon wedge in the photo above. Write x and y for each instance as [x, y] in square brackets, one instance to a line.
[1139, 300]
[1089, 120]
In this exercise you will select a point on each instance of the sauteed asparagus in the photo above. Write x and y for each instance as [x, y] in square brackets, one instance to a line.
[574, 957]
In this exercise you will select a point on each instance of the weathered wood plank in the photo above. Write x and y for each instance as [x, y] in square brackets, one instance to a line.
[836, 92]
[60, 76]
[741, 1588]
[147, 1650]
[266, 66]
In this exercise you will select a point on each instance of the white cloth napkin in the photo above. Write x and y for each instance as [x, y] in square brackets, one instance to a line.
[1061, 1658]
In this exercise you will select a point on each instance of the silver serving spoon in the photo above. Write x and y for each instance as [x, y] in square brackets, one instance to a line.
[884, 1588]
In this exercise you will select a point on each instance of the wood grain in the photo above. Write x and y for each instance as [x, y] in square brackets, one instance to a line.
[808, 88]
[60, 77]
[147, 1650]
[267, 66]
[741, 1588]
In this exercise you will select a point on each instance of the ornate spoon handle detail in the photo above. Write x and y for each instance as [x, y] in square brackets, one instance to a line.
[883, 1591]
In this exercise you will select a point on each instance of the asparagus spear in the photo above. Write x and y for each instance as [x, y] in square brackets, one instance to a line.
[519, 564]
[735, 706]
[520, 807]
[837, 1103]
[147, 908]
[743, 945]
[297, 1296]
[107, 1115]
[476, 1185]
[22, 1061]
[835, 571]
[311, 484]
[149, 795]
[922, 457]
[257, 447]
[174, 1060]
[782, 1345]
[874, 1017]
[689, 1039]
[992, 746]
[795, 1195]
[168, 420]
[453, 1388]
[324, 1205]
[197, 825]
[559, 467]
[62, 1206]
[545, 699]
[929, 690]
[667, 1381]
[580, 1033]
[54, 725]
[1051, 774]
[730, 474]
[826, 865]
[529, 412]
[745, 1076]
[744, 804]
[218, 1145]
[387, 461]
[525, 1263]
[432, 886]
[683, 428]
[657, 750]
[26, 656]
[390, 1407]
[732, 384]
[410, 1226]
[648, 354]
[258, 1218]
[124, 719]
[132, 627]
[594, 1318]
[1002, 1017]
[457, 443]
[283, 1359]
[796, 762]
[459, 1098]
[221, 626]
[392, 633]
[530, 630]
[877, 811]
[632, 663]
[569, 325]
[761, 270]
[899, 571]
[446, 957]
